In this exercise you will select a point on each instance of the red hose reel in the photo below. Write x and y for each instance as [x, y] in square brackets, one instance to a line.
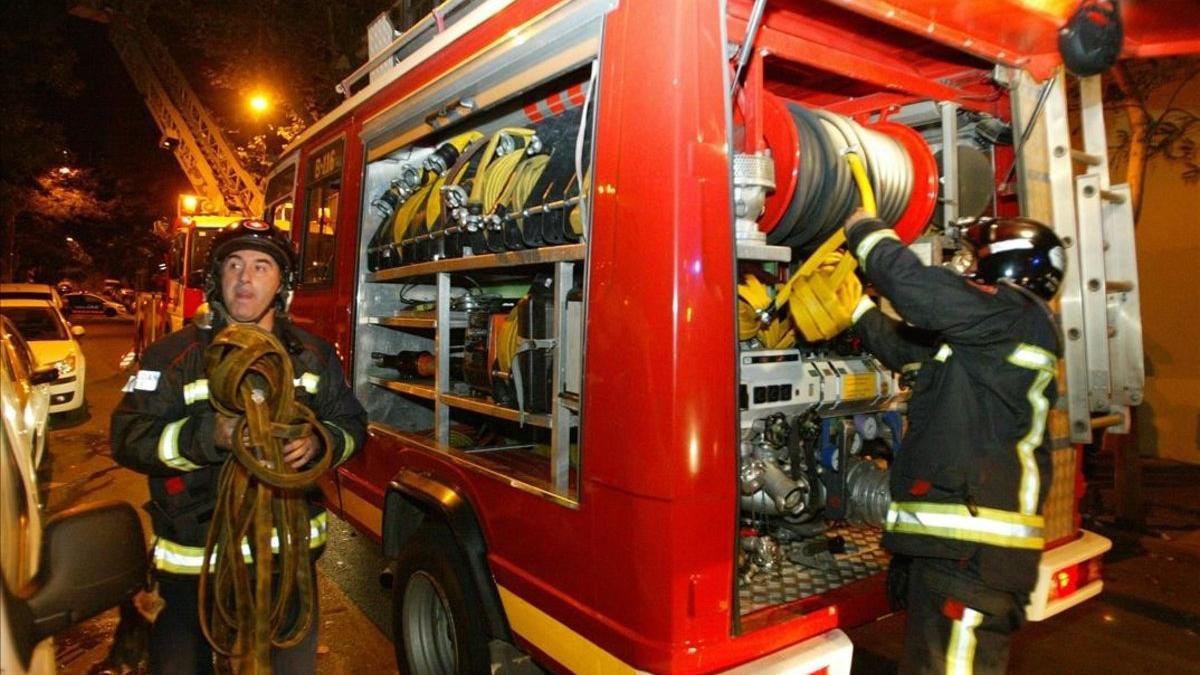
[779, 129]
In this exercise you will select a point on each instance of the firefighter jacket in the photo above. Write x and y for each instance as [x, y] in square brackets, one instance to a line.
[164, 425]
[974, 466]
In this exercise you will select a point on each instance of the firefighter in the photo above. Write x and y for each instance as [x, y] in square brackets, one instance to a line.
[166, 428]
[965, 522]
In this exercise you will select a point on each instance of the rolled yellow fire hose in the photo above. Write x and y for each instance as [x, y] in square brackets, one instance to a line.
[261, 515]
[821, 295]
[756, 316]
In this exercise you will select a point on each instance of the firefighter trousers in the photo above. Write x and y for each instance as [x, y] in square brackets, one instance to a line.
[957, 625]
[178, 647]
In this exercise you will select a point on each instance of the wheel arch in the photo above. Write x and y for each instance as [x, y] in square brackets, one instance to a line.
[414, 497]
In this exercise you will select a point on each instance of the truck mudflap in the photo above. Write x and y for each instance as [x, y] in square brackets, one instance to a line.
[1068, 575]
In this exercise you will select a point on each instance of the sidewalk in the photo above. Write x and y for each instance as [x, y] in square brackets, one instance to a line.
[350, 643]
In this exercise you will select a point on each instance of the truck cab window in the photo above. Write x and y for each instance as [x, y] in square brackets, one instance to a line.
[279, 198]
[321, 201]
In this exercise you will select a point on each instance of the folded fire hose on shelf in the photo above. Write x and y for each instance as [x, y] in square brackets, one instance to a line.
[261, 516]
[820, 296]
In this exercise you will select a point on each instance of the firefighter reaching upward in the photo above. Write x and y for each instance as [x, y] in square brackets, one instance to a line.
[965, 523]
[166, 427]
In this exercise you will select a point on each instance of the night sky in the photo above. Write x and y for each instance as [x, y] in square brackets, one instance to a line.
[108, 127]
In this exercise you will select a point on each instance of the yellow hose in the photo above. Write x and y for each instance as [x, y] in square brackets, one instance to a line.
[822, 294]
[489, 155]
[506, 342]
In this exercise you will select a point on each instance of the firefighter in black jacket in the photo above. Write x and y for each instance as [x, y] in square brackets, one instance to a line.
[965, 521]
[166, 428]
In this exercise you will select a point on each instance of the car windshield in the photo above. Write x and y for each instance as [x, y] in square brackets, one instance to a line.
[37, 323]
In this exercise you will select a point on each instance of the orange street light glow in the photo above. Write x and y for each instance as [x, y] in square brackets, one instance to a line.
[259, 103]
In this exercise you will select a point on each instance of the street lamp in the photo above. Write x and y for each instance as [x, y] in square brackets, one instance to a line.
[259, 103]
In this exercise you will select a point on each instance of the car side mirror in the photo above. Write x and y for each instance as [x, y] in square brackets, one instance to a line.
[43, 375]
[93, 558]
[78, 331]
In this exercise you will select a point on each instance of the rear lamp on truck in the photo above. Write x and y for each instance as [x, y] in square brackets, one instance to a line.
[1067, 575]
[1071, 578]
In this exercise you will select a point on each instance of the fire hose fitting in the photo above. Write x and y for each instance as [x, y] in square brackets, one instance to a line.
[753, 178]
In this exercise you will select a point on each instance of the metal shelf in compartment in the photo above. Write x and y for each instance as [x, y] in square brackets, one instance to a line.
[535, 256]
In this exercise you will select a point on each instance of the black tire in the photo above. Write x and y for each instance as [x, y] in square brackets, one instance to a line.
[437, 625]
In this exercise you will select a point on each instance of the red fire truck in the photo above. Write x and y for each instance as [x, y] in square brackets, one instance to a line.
[191, 235]
[579, 449]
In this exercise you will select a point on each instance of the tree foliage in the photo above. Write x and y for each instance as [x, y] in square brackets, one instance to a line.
[295, 52]
[1146, 92]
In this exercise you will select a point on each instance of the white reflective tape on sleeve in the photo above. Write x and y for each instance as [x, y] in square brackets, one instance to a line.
[868, 243]
[168, 447]
[195, 391]
[308, 381]
[943, 353]
[864, 305]
[347, 445]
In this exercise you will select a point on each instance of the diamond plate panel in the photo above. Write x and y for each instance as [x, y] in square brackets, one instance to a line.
[793, 581]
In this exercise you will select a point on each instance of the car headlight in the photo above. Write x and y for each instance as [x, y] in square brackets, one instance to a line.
[66, 366]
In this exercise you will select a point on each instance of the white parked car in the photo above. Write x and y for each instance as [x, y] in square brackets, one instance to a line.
[31, 292]
[30, 394]
[60, 571]
[90, 303]
[53, 343]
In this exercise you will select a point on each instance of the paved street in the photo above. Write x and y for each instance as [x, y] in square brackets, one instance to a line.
[1147, 621]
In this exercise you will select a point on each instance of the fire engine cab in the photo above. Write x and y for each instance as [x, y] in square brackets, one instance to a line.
[549, 240]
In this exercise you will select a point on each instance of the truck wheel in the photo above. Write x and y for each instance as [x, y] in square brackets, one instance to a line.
[436, 623]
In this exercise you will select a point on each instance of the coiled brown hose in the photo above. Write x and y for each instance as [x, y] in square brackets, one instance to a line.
[250, 377]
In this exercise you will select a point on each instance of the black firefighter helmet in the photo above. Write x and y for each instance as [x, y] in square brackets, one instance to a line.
[250, 233]
[1019, 250]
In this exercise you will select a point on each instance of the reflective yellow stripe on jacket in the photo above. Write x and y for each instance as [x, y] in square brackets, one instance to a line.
[168, 447]
[195, 391]
[1044, 364]
[955, 521]
[178, 558]
[868, 243]
[308, 381]
[347, 444]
